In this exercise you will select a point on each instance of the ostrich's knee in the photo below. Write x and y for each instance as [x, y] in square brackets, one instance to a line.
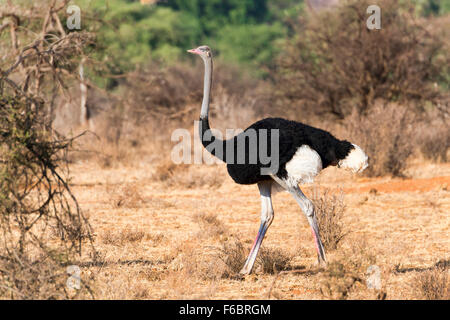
[270, 215]
[268, 218]
[267, 215]
[309, 209]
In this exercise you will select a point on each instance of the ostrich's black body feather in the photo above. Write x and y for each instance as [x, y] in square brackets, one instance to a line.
[292, 135]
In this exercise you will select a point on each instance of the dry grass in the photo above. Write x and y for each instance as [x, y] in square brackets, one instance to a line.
[211, 226]
[166, 171]
[433, 284]
[338, 281]
[233, 255]
[39, 278]
[121, 237]
[192, 248]
[127, 195]
[186, 176]
[329, 209]
[348, 273]
[273, 260]
[196, 261]
[157, 239]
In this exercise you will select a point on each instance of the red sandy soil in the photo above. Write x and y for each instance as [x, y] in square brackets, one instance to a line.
[400, 185]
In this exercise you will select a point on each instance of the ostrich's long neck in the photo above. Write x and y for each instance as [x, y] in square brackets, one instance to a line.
[207, 88]
[204, 121]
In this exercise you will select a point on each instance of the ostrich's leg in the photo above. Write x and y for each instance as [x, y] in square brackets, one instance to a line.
[265, 188]
[308, 208]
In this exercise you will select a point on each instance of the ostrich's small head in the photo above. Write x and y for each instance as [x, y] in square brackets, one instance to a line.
[356, 160]
[202, 51]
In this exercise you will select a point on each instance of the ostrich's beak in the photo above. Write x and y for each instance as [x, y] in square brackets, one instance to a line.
[194, 51]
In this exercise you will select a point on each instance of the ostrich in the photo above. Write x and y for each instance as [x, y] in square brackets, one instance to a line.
[303, 152]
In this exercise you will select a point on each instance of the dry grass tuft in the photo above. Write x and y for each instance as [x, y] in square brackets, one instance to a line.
[233, 255]
[196, 177]
[195, 261]
[122, 237]
[159, 204]
[273, 260]
[39, 279]
[209, 218]
[348, 273]
[186, 176]
[165, 171]
[433, 284]
[339, 281]
[211, 226]
[141, 293]
[329, 209]
[151, 274]
[156, 238]
[109, 154]
[126, 195]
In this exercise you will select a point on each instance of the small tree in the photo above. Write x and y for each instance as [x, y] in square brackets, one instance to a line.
[42, 228]
[335, 63]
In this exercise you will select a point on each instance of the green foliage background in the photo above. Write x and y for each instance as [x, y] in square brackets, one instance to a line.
[247, 33]
[243, 32]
